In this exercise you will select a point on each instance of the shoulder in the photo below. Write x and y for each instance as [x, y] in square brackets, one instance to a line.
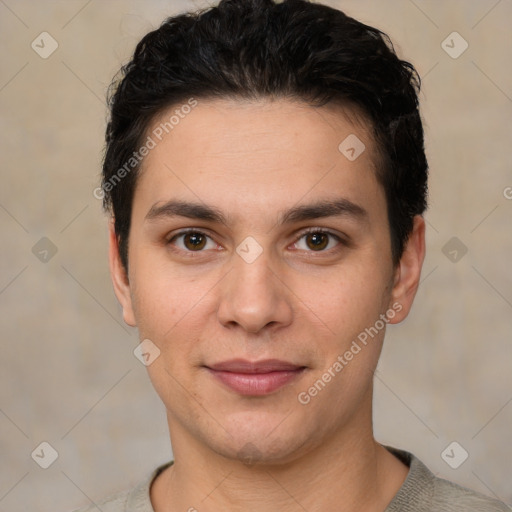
[453, 497]
[136, 499]
[422, 491]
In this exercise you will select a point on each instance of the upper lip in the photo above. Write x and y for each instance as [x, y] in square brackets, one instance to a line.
[263, 366]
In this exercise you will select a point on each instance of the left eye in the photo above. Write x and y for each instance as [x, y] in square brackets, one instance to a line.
[193, 241]
[318, 241]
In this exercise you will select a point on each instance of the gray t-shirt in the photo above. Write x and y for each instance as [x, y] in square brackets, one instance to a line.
[422, 491]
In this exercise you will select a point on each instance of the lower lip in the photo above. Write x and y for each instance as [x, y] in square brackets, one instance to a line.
[256, 384]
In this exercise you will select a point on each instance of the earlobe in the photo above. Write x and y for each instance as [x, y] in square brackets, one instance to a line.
[119, 278]
[408, 271]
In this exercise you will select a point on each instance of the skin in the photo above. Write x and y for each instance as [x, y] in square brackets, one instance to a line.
[294, 302]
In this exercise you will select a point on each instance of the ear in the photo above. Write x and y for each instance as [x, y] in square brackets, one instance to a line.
[120, 278]
[408, 271]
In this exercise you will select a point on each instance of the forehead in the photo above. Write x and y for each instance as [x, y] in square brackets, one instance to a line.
[264, 153]
[227, 127]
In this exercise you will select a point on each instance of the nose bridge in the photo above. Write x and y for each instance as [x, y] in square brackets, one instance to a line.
[252, 266]
[252, 296]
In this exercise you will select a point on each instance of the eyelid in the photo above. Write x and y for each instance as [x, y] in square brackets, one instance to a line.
[181, 232]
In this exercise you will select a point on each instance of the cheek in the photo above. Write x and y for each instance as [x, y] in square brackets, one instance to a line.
[161, 295]
[173, 309]
[169, 315]
[351, 298]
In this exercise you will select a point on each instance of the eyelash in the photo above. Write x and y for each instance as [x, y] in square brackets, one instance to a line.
[309, 231]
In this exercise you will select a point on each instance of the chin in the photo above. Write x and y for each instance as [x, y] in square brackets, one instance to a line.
[266, 443]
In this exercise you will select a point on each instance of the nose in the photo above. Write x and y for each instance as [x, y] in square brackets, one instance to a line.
[254, 297]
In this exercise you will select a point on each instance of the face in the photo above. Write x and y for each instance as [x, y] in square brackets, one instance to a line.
[260, 267]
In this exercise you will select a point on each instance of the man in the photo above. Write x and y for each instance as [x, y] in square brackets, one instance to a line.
[266, 176]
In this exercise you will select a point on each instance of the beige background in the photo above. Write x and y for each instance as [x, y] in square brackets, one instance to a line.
[69, 376]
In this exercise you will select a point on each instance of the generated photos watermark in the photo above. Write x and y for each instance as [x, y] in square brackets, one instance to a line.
[151, 142]
[304, 397]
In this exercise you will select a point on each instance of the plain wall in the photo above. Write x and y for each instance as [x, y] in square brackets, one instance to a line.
[68, 373]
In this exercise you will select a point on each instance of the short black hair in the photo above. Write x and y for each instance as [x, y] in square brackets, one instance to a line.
[253, 49]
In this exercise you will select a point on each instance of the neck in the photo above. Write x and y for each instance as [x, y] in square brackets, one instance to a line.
[348, 472]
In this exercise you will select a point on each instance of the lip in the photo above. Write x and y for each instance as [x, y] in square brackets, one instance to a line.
[255, 378]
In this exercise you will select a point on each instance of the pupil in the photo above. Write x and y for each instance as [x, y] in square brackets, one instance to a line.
[196, 240]
[318, 240]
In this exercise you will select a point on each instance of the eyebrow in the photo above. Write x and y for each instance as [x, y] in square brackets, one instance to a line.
[319, 209]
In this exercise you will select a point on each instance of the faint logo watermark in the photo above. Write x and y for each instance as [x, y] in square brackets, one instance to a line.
[454, 455]
[146, 352]
[44, 455]
[44, 250]
[454, 45]
[351, 147]
[249, 249]
[44, 45]
[454, 249]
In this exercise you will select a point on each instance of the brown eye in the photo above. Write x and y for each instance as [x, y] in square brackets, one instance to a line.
[194, 241]
[317, 241]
